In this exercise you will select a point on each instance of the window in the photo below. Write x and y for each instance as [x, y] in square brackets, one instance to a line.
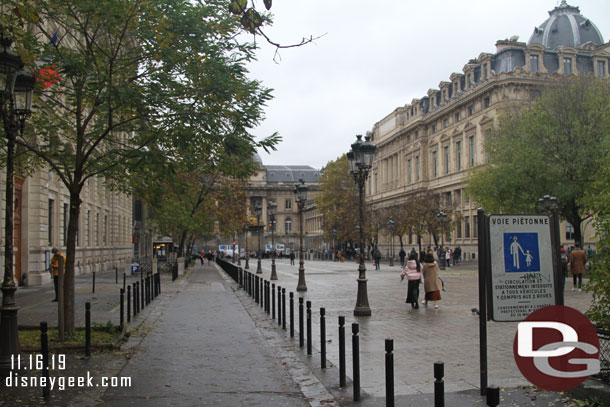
[457, 117]
[458, 196]
[458, 228]
[408, 171]
[601, 69]
[417, 168]
[416, 134]
[484, 72]
[486, 102]
[288, 204]
[471, 151]
[458, 155]
[408, 138]
[475, 230]
[433, 128]
[448, 198]
[105, 231]
[445, 123]
[97, 229]
[51, 223]
[467, 227]
[470, 110]
[487, 137]
[65, 225]
[533, 63]
[396, 176]
[376, 183]
[89, 228]
[569, 231]
[446, 158]
[567, 66]
[288, 225]
[434, 164]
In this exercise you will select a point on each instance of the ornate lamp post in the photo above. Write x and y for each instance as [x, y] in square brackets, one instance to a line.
[391, 227]
[246, 232]
[16, 88]
[334, 247]
[258, 211]
[271, 208]
[300, 191]
[360, 162]
[442, 217]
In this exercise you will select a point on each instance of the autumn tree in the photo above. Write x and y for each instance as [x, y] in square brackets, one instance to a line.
[555, 147]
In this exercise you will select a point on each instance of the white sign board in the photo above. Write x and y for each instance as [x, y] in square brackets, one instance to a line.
[521, 265]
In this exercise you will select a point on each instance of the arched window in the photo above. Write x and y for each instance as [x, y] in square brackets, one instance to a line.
[288, 225]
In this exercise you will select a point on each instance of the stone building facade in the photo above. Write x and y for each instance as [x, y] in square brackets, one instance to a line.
[433, 142]
[275, 183]
[41, 222]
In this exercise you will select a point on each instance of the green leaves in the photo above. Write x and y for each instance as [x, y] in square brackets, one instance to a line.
[251, 20]
[238, 7]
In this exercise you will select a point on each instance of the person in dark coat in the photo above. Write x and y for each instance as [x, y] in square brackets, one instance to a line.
[292, 258]
[578, 260]
[402, 254]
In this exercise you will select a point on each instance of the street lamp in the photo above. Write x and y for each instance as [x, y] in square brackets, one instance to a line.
[271, 208]
[16, 90]
[246, 232]
[334, 244]
[300, 192]
[258, 210]
[360, 163]
[391, 227]
[442, 217]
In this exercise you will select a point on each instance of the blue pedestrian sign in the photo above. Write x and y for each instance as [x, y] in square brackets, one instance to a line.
[521, 252]
[522, 278]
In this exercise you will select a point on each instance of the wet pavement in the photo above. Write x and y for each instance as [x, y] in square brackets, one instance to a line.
[204, 341]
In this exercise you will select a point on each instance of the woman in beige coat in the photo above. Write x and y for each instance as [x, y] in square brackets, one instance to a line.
[432, 284]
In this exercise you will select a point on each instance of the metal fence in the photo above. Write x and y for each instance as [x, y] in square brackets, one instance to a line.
[604, 350]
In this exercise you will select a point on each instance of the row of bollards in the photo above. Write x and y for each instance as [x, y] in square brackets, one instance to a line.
[263, 292]
[139, 294]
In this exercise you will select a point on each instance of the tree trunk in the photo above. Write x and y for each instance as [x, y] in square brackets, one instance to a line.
[75, 203]
[182, 243]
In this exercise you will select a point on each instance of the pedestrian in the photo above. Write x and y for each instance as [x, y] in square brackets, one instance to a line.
[432, 283]
[458, 255]
[413, 272]
[578, 259]
[202, 257]
[377, 255]
[448, 257]
[402, 254]
[58, 261]
[292, 258]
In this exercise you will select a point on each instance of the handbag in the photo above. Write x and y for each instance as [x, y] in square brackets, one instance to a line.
[442, 283]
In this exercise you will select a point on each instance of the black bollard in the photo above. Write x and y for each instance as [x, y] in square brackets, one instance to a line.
[284, 309]
[301, 323]
[116, 275]
[148, 296]
[308, 328]
[124, 282]
[122, 307]
[142, 294]
[279, 305]
[389, 372]
[136, 302]
[44, 347]
[322, 338]
[128, 304]
[268, 300]
[493, 396]
[292, 315]
[87, 329]
[439, 384]
[273, 301]
[256, 289]
[262, 283]
[93, 285]
[356, 360]
[341, 351]
[158, 283]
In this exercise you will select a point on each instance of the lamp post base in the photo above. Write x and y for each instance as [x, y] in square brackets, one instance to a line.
[259, 269]
[362, 301]
[9, 331]
[301, 286]
[392, 261]
[247, 266]
[273, 270]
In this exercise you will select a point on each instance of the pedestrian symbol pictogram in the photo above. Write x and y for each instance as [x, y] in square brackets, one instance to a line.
[521, 252]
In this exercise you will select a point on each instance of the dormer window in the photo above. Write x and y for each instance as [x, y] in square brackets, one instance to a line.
[601, 69]
[484, 72]
[533, 63]
[567, 66]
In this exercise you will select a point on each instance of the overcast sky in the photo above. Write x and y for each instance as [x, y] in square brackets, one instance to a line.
[374, 56]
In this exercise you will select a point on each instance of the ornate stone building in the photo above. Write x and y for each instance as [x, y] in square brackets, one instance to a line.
[41, 223]
[275, 183]
[433, 142]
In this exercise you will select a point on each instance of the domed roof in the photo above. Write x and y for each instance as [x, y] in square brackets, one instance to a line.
[566, 27]
[257, 158]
